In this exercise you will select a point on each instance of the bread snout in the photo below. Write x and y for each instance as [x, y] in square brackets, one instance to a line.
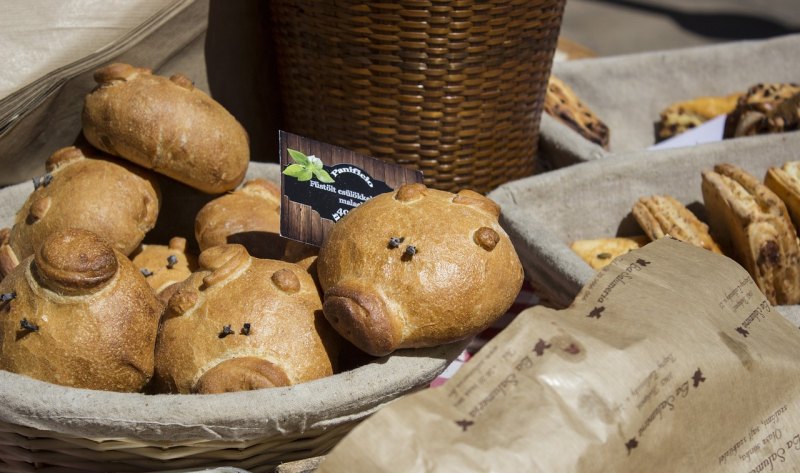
[361, 315]
[241, 374]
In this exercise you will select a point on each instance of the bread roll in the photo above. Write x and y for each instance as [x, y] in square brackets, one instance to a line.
[164, 265]
[784, 181]
[662, 215]
[79, 315]
[417, 267]
[114, 199]
[682, 116]
[563, 104]
[249, 216]
[166, 125]
[752, 225]
[243, 323]
[600, 252]
[765, 108]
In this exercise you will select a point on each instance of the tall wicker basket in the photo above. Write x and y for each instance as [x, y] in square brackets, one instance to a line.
[453, 88]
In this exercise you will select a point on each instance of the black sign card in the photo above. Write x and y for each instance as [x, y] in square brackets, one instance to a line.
[321, 183]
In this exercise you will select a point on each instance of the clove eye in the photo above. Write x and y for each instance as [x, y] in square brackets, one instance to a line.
[409, 253]
[28, 326]
[246, 329]
[226, 330]
[172, 260]
[7, 296]
[146, 272]
[394, 242]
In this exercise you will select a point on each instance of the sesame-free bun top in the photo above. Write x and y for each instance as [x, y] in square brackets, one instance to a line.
[168, 125]
[79, 314]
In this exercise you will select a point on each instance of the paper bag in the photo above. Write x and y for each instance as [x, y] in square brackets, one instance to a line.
[670, 360]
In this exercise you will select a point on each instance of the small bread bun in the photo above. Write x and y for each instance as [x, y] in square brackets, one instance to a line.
[417, 267]
[242, 323]
[249, 216]
[599, 252]
[79, 314]
[167, 125]
[111, 198]
[164, 265]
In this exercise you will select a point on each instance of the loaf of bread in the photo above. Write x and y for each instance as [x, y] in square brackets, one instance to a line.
[164, 265]
[114, 199]
[563, 104]
[682, 116]
[662, 215]
[765, 108]
[752, 225]
[167, 125]
[417, 267]
[600, 252]
[784, 181]
[249, 216]
[242, 323]
[79, 314]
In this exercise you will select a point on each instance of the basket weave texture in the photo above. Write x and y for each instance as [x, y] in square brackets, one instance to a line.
[452, 88]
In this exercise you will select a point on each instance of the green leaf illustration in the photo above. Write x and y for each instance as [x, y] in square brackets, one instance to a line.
[294, 170]
[322, 175]
[298, 157]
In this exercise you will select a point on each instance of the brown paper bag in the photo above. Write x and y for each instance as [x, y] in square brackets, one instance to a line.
[670, 360]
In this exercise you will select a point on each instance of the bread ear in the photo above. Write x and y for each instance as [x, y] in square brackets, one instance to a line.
[478, 201]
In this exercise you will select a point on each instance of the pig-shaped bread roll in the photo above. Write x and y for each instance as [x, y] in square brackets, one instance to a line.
[85, 189]
[168, 125]
[79, 314]
[417, 267]
[243, 323]
[164, 265]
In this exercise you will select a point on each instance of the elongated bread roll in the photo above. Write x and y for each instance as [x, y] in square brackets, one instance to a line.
[167, 125]
[662, 215]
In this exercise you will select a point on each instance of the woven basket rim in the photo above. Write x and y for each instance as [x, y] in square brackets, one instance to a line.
[173, 419]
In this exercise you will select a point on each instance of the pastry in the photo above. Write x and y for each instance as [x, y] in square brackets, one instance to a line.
[662, 215]
[164, 265]
[682, 116]
[752, 224]
[79, 314]
[114, 199]
[167, 125]
[242, 323]
[785, 183]
[417, 267]
[765, 108]
[600, 252]
[563, 104]
[249, 216]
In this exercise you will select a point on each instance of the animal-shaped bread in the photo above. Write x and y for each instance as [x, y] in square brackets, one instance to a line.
[164, 265]
[112, 198]
[242, 323]
[168, 125]
[79, 314]
[249, 216]
[752, 224]
[417, 267]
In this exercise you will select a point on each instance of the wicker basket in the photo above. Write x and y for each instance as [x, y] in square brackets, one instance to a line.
[452, 88]
[45, 427]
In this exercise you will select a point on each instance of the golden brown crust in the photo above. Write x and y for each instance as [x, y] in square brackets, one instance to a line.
[166, 125]
[752, 224]
[785, 183]
[662, 215]
[249, 216]
[563, 104]
[600, 252]
[164, 265]
[117, 201]
[82, 316]
[204, 327]
[417, 267]
[681, 116]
